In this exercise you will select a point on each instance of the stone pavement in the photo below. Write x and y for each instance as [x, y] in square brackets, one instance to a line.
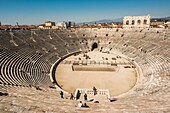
[30, 100]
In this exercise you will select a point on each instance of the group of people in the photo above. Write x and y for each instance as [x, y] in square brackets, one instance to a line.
[94, 91]
[80, 104]
[72, 97]
[62, 95]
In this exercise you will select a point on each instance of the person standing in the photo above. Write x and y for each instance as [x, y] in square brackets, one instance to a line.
[71, 97]
[62, 95]
[85, 97]
[94, 90]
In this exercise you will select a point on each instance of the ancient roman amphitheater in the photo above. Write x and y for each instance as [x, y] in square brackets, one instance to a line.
[130, 68]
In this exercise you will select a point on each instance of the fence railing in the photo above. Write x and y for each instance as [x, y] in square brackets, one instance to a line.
[99, 92]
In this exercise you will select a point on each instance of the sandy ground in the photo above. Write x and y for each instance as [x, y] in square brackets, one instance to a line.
[117, 82]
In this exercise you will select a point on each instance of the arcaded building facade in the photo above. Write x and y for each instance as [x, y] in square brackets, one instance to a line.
[136, 21]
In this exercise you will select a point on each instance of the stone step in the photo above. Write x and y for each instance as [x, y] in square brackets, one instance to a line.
[94, 98]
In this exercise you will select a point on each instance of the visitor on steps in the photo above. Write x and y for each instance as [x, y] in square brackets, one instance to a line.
[85, 97]
[80, 104]
[62, 95]
[85, 105]
[94, 90]
[71, 97]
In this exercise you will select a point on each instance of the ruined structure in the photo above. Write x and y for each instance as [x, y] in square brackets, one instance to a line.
[136, 21]
[29, 60]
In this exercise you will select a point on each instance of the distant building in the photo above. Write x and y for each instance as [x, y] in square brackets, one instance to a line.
[49, 24]
[41, 26]
[136, 21]
[59, 25]
[62, 25]
[167, 24]
[55, 27]
[114, 25]
[5, 26]
[158, 24]
[70, 24]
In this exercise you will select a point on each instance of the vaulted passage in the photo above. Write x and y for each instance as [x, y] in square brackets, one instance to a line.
[94, 46]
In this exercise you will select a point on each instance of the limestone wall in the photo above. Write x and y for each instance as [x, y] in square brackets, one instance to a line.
[136, 21]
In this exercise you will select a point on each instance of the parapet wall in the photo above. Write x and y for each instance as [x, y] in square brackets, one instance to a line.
[94, 68]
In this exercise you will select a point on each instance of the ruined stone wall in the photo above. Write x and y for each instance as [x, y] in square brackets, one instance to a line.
[136, 21]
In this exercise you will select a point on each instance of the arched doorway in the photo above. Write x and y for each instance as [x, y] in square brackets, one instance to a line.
[133, 22]
[145, 21]
[94, 45]
[139, 22]
[127, 22]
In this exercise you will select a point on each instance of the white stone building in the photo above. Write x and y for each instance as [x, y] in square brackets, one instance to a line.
[49, 24]
[61, 25]
[136, 21]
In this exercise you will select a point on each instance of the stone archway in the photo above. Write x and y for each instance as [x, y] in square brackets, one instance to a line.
[136, 21]
[94, 46]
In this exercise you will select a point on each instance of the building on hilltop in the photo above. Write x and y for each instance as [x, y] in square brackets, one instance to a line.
[158, 24]
[41, 26]
[167, 24]
[62, 25]
[49, 24]
[136, 21]
[59, 25]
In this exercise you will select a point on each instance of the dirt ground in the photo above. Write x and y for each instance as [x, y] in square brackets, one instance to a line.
[118, 82]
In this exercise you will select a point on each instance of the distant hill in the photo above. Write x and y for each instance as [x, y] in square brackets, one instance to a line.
[103, 21]
[162, 19]
[120, 20]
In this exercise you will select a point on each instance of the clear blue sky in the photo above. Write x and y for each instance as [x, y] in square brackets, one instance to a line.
[39, 11]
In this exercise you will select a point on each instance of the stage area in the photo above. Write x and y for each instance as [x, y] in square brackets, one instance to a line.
[118, 75]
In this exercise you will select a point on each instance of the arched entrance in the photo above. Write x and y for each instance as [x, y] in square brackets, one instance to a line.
[95, 45]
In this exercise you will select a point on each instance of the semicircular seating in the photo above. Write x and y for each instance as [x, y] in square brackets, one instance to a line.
[26, 56]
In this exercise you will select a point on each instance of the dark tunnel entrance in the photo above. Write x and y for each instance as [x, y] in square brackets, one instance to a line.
[94, 46]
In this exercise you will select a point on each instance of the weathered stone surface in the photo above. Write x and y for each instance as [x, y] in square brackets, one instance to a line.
[49, 102]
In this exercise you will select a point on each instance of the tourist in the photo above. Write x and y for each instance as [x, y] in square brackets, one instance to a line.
[71, 97]
[94, 90]
[62, 95]
[80, 104]
[78, 95]
[85, 105]
[85, 97]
